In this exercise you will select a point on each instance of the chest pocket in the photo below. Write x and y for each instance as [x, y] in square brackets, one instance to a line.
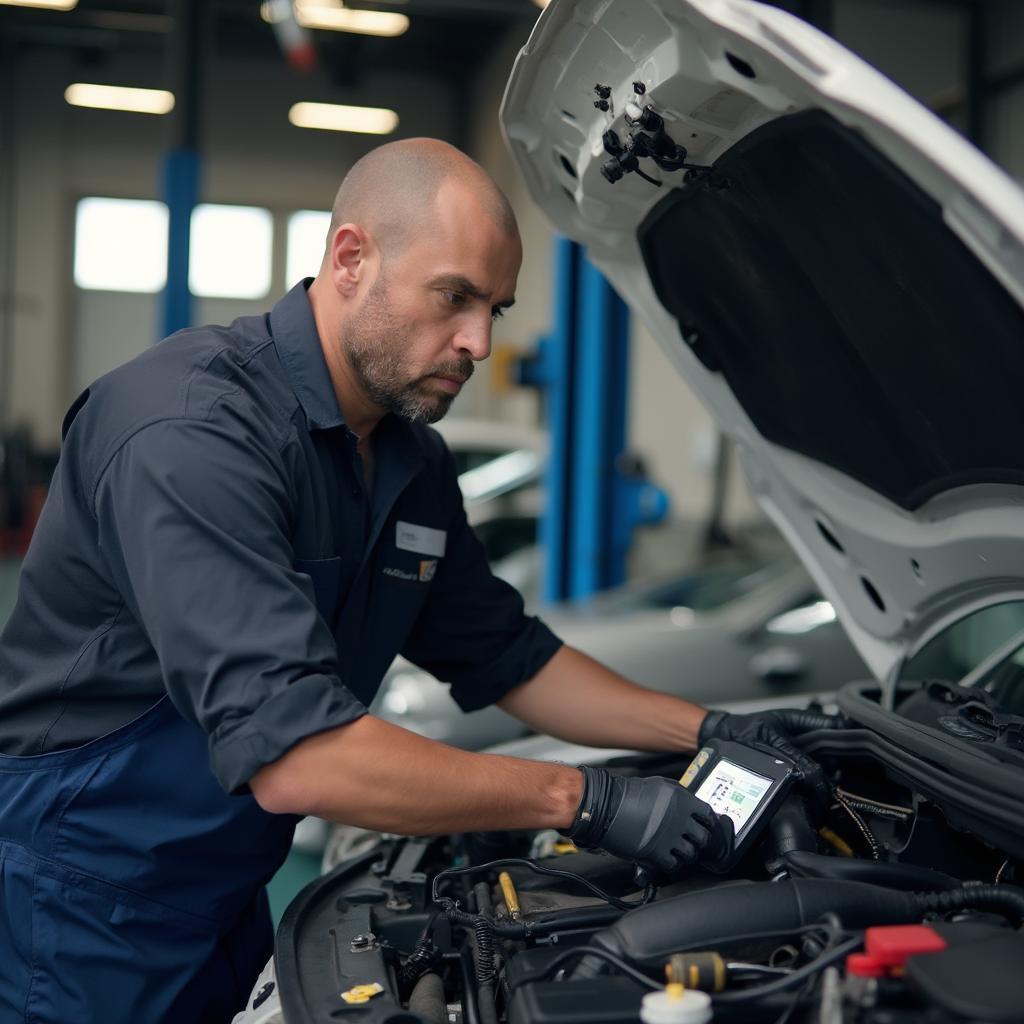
[325, 574]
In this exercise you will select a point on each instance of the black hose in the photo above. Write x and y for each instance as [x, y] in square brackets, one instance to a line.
[427, 999]
[802, 864]
[484, 955]
[791, 829]
[470, 1006]
[1001, 899]
[574, 917]
[649, 935]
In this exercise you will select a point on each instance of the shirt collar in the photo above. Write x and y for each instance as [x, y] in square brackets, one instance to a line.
[298, 346]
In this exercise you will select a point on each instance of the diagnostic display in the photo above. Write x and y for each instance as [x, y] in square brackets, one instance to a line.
[735, 791]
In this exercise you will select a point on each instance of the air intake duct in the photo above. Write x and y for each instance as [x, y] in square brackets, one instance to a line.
[730, 918]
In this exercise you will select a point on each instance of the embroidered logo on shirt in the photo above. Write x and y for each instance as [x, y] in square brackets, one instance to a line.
[426, 572]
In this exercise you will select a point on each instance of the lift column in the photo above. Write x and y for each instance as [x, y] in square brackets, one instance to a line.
[594, 498]
[182, 164]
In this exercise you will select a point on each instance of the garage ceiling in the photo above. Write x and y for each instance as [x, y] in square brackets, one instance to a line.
[447, 38]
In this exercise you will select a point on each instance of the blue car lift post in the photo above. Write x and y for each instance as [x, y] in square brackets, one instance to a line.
[182, 164]
[594, 500]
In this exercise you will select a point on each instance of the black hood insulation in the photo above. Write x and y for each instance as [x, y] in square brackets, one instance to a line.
[852, 324]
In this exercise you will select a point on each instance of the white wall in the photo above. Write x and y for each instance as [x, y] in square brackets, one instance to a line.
[252, 156]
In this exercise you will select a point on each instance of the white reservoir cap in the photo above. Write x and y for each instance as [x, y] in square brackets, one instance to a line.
[692, 1007]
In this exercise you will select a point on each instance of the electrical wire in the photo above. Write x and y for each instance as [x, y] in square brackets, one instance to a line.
[803, 993]
[619, 904]
[580, 951]
[739, 967]
[869, 836]
[872, 806]
[800, 974]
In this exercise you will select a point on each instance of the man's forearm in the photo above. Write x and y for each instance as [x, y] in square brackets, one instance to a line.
[580, 700]
[379, 776]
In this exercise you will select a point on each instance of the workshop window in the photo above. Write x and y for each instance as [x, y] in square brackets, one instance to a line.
[307, 237]
[230, 252]
[120, 244]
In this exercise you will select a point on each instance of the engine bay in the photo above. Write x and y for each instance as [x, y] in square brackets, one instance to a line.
[876, 906]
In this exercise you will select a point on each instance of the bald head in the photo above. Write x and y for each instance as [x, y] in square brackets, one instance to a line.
[391, 192]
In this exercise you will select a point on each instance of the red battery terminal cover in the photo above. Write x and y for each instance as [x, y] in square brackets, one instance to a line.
[886, 950]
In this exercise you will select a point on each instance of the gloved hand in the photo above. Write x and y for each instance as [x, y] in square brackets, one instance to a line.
[655, 822]
[775, 729]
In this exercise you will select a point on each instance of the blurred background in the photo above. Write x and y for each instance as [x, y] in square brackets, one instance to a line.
[228, 128]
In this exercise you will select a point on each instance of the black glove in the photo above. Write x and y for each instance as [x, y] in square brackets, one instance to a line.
[774, 730]
[655, 822]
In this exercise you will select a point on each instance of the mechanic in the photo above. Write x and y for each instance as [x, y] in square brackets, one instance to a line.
[247, 524]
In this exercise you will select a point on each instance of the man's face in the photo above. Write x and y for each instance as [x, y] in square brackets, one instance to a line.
[427, 318]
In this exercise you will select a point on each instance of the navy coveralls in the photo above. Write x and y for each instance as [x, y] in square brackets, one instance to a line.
[209, 584]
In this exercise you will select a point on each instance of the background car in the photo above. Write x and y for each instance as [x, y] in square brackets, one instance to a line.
[740, 628]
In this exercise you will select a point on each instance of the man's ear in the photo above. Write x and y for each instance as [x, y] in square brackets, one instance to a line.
[350, 249]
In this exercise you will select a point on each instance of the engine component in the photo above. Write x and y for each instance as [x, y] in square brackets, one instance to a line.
[704, 971]
[886, 950]
[730, 915]
[978, 981]
[803, 864]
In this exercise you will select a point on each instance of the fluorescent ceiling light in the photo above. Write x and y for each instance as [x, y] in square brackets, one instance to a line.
[50, 5]
[336, 117]
[113, 97]
[336, 17]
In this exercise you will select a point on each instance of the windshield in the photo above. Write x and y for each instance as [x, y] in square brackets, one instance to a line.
[1004, 683]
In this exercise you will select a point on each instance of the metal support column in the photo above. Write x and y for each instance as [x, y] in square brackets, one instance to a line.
[182, 164]
[594, 497]
[556, 377]
[597, 547]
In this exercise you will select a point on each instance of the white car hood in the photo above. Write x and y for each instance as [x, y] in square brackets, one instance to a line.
[844, 291]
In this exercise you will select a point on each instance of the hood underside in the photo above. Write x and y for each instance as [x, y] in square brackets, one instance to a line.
[844, 287]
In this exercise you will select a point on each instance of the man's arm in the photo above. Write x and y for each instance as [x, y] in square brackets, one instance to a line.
[379, 776]
[580, 700]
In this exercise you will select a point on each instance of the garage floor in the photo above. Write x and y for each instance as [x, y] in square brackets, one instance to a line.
[298, 870]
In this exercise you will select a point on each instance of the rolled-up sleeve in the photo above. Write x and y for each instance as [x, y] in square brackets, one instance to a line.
[193, 519]
[473, 631]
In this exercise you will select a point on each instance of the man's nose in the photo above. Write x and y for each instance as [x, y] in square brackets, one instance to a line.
[475, 339]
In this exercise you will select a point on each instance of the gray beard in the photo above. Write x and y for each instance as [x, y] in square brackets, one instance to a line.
[376, 343]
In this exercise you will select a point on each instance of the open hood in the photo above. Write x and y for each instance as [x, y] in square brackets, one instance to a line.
[839, 275]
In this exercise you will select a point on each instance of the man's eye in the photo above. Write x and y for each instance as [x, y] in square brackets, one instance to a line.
[454, 298]
[497, 313]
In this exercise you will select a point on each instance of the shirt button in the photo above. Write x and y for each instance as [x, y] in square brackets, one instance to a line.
[355, 492]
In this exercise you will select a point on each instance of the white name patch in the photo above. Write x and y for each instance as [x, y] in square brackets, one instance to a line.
[422, 539]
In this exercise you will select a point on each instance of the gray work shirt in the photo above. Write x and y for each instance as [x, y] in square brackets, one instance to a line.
[208, 534]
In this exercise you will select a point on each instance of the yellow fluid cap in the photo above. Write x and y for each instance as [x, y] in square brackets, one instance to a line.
[362, 993]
